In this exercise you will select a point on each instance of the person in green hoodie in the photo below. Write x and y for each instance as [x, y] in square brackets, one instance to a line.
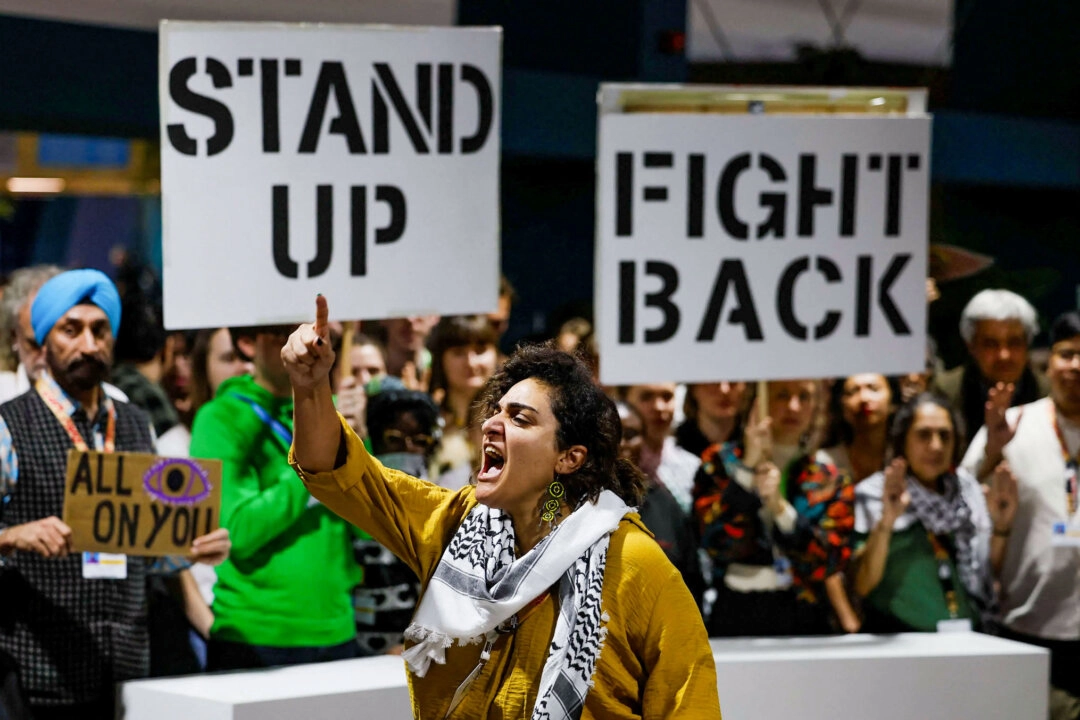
[283, 597]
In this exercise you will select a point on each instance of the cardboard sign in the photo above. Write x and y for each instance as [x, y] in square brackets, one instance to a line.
[757, 247]
[360, 162]
[140, 504]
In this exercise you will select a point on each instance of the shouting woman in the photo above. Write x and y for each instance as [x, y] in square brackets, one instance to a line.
[543, 594]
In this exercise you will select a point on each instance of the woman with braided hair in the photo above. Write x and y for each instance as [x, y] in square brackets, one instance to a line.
[543, 594]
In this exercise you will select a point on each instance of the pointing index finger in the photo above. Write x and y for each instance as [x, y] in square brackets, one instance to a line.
[322, 315]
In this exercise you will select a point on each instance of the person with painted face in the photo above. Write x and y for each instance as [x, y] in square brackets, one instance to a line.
[578, 611]
[862, 405]
[928, 541]
[404, 427]
[775, 515]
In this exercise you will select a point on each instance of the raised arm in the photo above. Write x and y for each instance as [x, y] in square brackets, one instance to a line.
[871, 566]
[308, 358]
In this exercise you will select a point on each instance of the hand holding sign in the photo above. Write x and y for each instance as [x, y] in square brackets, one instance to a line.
[757, 439]
[212, 548]
[767, 486]
[48, 537]
[307, 355]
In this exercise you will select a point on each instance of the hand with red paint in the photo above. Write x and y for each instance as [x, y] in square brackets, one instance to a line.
[1002, 499]
[308, 355]
[895, 498]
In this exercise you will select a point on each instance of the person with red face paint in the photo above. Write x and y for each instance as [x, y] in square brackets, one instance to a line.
[578, 612]
[862, 405]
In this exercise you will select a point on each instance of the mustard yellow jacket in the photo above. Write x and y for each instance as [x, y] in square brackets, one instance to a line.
[656, 662]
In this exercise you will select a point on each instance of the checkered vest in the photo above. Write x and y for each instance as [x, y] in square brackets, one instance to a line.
[72, 638]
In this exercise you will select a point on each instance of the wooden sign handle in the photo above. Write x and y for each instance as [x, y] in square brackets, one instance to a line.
[345, 356]
[762, 400]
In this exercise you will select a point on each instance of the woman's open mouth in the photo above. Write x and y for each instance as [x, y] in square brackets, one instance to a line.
[493, 464]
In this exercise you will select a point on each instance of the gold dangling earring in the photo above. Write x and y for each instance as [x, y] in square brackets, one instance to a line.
[551, 507]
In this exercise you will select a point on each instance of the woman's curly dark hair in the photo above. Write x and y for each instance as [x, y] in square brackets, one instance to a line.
[585, 416]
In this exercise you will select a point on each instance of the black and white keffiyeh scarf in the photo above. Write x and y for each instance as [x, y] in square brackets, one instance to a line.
[478, 585]
[950, 513]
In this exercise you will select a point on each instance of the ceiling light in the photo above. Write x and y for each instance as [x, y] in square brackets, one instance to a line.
[35, 185]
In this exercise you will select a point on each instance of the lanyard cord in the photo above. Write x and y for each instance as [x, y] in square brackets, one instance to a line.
[68, 423]
[507, 628]
[1071, 462]
[945, 574]
[283, 433]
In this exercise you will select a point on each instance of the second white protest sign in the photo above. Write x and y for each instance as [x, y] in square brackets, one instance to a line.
[741, 247]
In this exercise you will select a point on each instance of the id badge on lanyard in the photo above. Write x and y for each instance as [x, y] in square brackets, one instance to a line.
[1066, 533]
[95, 565]
[104, 566]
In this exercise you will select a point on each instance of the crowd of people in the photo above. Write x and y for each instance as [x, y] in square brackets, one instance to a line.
[929, 502]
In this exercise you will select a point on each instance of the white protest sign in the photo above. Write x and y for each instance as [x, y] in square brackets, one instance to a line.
[353, 161]
[758, 247]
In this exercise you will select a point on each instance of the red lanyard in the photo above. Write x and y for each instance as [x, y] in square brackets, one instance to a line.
[49, 396]
[1071, 483]
[945, 575]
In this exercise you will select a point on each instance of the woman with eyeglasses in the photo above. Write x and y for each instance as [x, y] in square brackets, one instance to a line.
[928, 543]
[543, 594]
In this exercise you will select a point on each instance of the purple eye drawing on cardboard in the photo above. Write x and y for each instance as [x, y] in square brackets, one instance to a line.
[177, 481]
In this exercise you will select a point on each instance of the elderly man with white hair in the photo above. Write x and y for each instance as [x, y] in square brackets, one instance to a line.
[998, 327]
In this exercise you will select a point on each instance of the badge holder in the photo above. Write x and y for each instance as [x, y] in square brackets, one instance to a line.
[104, 566]
[1066, 533]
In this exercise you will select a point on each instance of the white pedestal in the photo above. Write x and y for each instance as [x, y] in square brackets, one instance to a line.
[953, 676]
[958, 676]
[364, 688]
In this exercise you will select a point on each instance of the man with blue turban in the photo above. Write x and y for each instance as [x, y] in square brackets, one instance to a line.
[72, 632]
